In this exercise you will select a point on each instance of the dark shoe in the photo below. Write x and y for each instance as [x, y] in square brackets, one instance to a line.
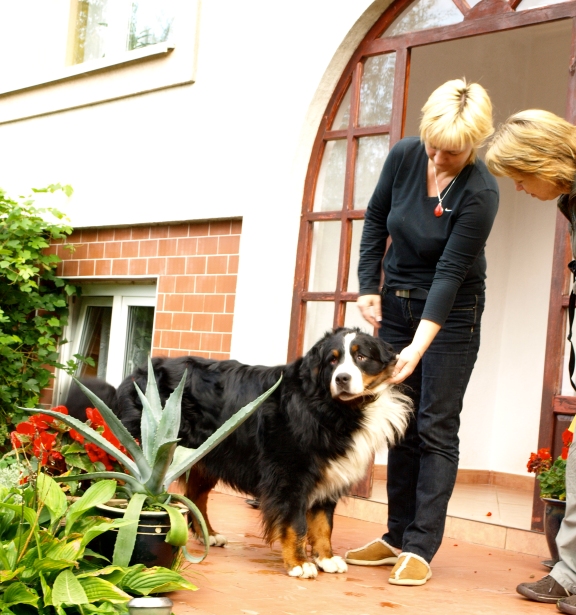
[567, 605]
[547, 589]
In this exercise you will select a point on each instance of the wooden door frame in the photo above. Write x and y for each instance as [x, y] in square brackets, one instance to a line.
[486, 17]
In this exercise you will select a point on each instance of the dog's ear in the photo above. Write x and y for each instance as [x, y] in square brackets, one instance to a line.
[312, 365]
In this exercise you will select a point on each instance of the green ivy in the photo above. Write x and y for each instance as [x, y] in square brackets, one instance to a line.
[33, 302]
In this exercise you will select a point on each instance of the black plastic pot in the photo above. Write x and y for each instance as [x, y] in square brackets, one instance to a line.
[554, 511]
[151, 548]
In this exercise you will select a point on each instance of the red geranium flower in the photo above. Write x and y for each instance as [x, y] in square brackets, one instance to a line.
[42, 445]
[76, 436]
[15, 441]
[26, 429]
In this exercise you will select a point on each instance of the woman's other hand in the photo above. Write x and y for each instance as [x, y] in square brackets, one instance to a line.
[408, 359]
[370, 307]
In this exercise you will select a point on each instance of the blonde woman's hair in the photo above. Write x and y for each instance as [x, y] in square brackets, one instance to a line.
[457, 115]
[535, 142]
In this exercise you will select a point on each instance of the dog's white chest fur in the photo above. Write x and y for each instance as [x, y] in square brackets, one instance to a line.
[385, 420]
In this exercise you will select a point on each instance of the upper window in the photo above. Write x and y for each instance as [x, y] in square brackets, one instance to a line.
[104, 28]
[71, 32]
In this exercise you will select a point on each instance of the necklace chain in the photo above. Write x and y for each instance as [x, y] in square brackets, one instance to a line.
[441, 198]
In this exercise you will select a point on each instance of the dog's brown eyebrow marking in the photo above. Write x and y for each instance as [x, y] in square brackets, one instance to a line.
[354, 348]
[336, 353]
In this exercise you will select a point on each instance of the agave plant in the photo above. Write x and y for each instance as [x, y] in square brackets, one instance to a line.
[153, 466]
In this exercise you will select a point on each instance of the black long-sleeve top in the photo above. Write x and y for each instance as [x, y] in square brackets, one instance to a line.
[443, 255]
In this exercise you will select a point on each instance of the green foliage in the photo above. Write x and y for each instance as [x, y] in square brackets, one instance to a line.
[153, 467]
[46, 566]
[33, 301]
[553, 480]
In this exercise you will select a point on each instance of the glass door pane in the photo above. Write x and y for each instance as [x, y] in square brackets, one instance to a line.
[324, 258]
[95, 341]
[138, 337]
[376, 90]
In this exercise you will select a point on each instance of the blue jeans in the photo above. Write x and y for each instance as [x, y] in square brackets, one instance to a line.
[422, 467]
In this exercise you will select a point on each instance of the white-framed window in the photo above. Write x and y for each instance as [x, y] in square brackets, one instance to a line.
[113, 325]
[65, 33]
[57, 54]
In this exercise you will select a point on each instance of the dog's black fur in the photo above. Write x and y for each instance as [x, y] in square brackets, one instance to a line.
[306, 445]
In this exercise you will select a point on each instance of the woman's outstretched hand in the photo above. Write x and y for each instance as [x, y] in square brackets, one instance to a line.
[408, 359]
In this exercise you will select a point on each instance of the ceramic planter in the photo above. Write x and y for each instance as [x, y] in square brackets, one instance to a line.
[151, 548]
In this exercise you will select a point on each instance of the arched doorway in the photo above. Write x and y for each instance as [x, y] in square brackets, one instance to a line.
[524, 55]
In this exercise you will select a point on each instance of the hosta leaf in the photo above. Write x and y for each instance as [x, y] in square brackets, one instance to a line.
[155, 580]
[67, 590]
[46, 591]
[97, 493]
[99, 589]
[8, 575]
[51, 496]
[18, 593]
[68, 550]
[48, 564]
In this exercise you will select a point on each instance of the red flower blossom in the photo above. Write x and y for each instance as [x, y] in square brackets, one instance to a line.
[567, 437]
[43, 445]
[76, 436]
[60, 409]
[539, 461]
[26, 429]
[95, 417]
[41, 421]
[15, 441]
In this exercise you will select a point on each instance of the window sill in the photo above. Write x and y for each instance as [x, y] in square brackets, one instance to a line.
[91, 67]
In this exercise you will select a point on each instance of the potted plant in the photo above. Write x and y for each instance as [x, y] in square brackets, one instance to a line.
[551, 476]
[46, 565]
[152, 467]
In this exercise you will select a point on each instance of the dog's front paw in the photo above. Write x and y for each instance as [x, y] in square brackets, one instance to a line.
[306, 571]
[331, 564]
[216, 540]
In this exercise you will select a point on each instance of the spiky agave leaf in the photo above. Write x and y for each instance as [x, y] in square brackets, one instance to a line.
[118, 429]
[185, 459]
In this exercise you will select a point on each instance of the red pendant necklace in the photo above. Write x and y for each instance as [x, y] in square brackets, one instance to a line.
[439, 210]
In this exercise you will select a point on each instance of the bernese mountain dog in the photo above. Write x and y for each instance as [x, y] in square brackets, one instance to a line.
[304, 447]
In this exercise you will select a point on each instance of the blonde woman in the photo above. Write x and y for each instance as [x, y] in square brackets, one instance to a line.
[537, 150]
[437, 203]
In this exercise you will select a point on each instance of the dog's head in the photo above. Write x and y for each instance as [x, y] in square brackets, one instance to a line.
[353, 365]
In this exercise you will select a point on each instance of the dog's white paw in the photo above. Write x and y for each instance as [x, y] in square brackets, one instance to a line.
[331, 564]
[306, 571]
[216, 540]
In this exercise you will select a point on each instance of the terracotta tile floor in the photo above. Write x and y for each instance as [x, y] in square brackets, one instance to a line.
[247, 577]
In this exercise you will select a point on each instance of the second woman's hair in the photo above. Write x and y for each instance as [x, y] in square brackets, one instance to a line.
[535, 142]
[456, 115]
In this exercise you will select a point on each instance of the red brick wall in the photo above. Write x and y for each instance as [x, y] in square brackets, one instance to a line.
[196, 266]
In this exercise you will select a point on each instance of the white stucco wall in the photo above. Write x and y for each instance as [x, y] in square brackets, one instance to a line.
[236, 143]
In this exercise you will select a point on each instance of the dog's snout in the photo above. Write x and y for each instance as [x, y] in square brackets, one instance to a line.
[343, 379]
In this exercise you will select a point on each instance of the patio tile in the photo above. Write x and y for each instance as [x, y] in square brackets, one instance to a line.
[247, 577]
